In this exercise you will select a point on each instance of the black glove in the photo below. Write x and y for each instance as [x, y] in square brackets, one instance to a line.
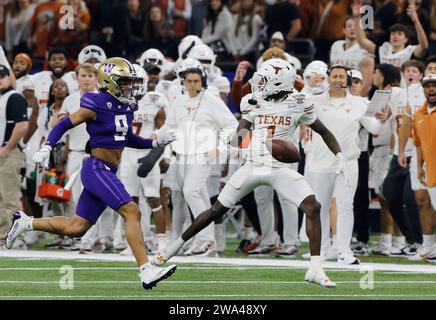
[147, 163]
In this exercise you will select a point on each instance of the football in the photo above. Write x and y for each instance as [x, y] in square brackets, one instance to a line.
[282, 150]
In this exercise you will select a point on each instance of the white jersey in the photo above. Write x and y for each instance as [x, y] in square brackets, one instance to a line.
[343, 117]
[201, 123]
[43, 80]
[350, 57]
[148, 108]
[220, 82]
[414, 96]
[386, 55]
[277, 120]
[24, 83]
[78, 135]
[291, 59]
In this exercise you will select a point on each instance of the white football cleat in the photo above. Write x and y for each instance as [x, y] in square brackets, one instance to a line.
[318, 276]
[21, 223]
[160, 257]
[151, 275]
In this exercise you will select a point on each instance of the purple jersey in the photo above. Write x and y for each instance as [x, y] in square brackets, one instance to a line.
[112, 123]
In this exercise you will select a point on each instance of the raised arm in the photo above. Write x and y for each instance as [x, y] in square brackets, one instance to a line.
[363, 41]
[422, 47]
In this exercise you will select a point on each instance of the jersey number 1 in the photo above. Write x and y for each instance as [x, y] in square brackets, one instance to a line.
[121, 127]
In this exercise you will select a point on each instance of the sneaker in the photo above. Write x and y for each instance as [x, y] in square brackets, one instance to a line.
[319, 277]
[126, 252]
[19, 244]
[120, 246]
[287, 251]
[151, 275]
[331, 253]
[347, 258]
[85, 247]
[242, 245]
[262, 250]
[380, 249]
[422, 254]
[306, 255]
[361, 249]
[396, 251]
[103, 245]
[410, 249]
[67, 243]
[21, 223]
[252, 246]
[56, 243]
[32, 237]
[75, 246]
[202, 249]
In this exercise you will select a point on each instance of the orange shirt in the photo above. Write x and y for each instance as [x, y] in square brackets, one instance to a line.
[45, 21]
[424, 135]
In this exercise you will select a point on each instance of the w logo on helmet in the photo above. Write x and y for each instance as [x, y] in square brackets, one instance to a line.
[108, 67]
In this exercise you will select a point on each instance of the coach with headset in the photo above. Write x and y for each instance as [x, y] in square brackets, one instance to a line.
[343, 114]
[199, 119]
[13, 126]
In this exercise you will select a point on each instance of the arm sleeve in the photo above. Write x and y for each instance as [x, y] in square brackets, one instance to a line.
[136, 142]
[308, 117]
[58, 131]
[371, 124]
[87, 101]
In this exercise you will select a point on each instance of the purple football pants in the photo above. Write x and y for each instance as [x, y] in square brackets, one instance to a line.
[102, 189]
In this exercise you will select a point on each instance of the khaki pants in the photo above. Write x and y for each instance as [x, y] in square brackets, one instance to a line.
[9, 188]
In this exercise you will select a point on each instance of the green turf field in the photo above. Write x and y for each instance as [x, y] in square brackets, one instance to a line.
[41, 279]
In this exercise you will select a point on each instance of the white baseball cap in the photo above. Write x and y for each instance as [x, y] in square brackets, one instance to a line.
[278, 35]
[428, 78]
[356, 74]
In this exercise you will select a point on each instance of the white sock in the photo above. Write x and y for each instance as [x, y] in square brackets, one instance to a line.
[161, 241]
[248, 232]
[29, 226]
[386, 239]
[315, 262]
[334, 241]
[428, 240]
[145, 265]
[399, 241]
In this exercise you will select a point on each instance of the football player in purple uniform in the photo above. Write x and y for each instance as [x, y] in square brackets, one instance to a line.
[108, 116]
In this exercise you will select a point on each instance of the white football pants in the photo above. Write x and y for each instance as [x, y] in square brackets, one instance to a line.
[325, 185]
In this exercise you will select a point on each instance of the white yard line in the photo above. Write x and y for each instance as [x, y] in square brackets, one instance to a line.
[202, 296]
[170, 282]
[237, 262]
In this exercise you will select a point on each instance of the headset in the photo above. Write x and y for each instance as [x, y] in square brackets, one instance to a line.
[347, 70]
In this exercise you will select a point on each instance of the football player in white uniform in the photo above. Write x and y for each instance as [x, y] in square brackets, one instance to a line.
[276, 112]
[206, 57]
[91, 54]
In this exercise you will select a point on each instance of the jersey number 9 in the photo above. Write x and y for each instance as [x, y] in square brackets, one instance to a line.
[121, 127]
